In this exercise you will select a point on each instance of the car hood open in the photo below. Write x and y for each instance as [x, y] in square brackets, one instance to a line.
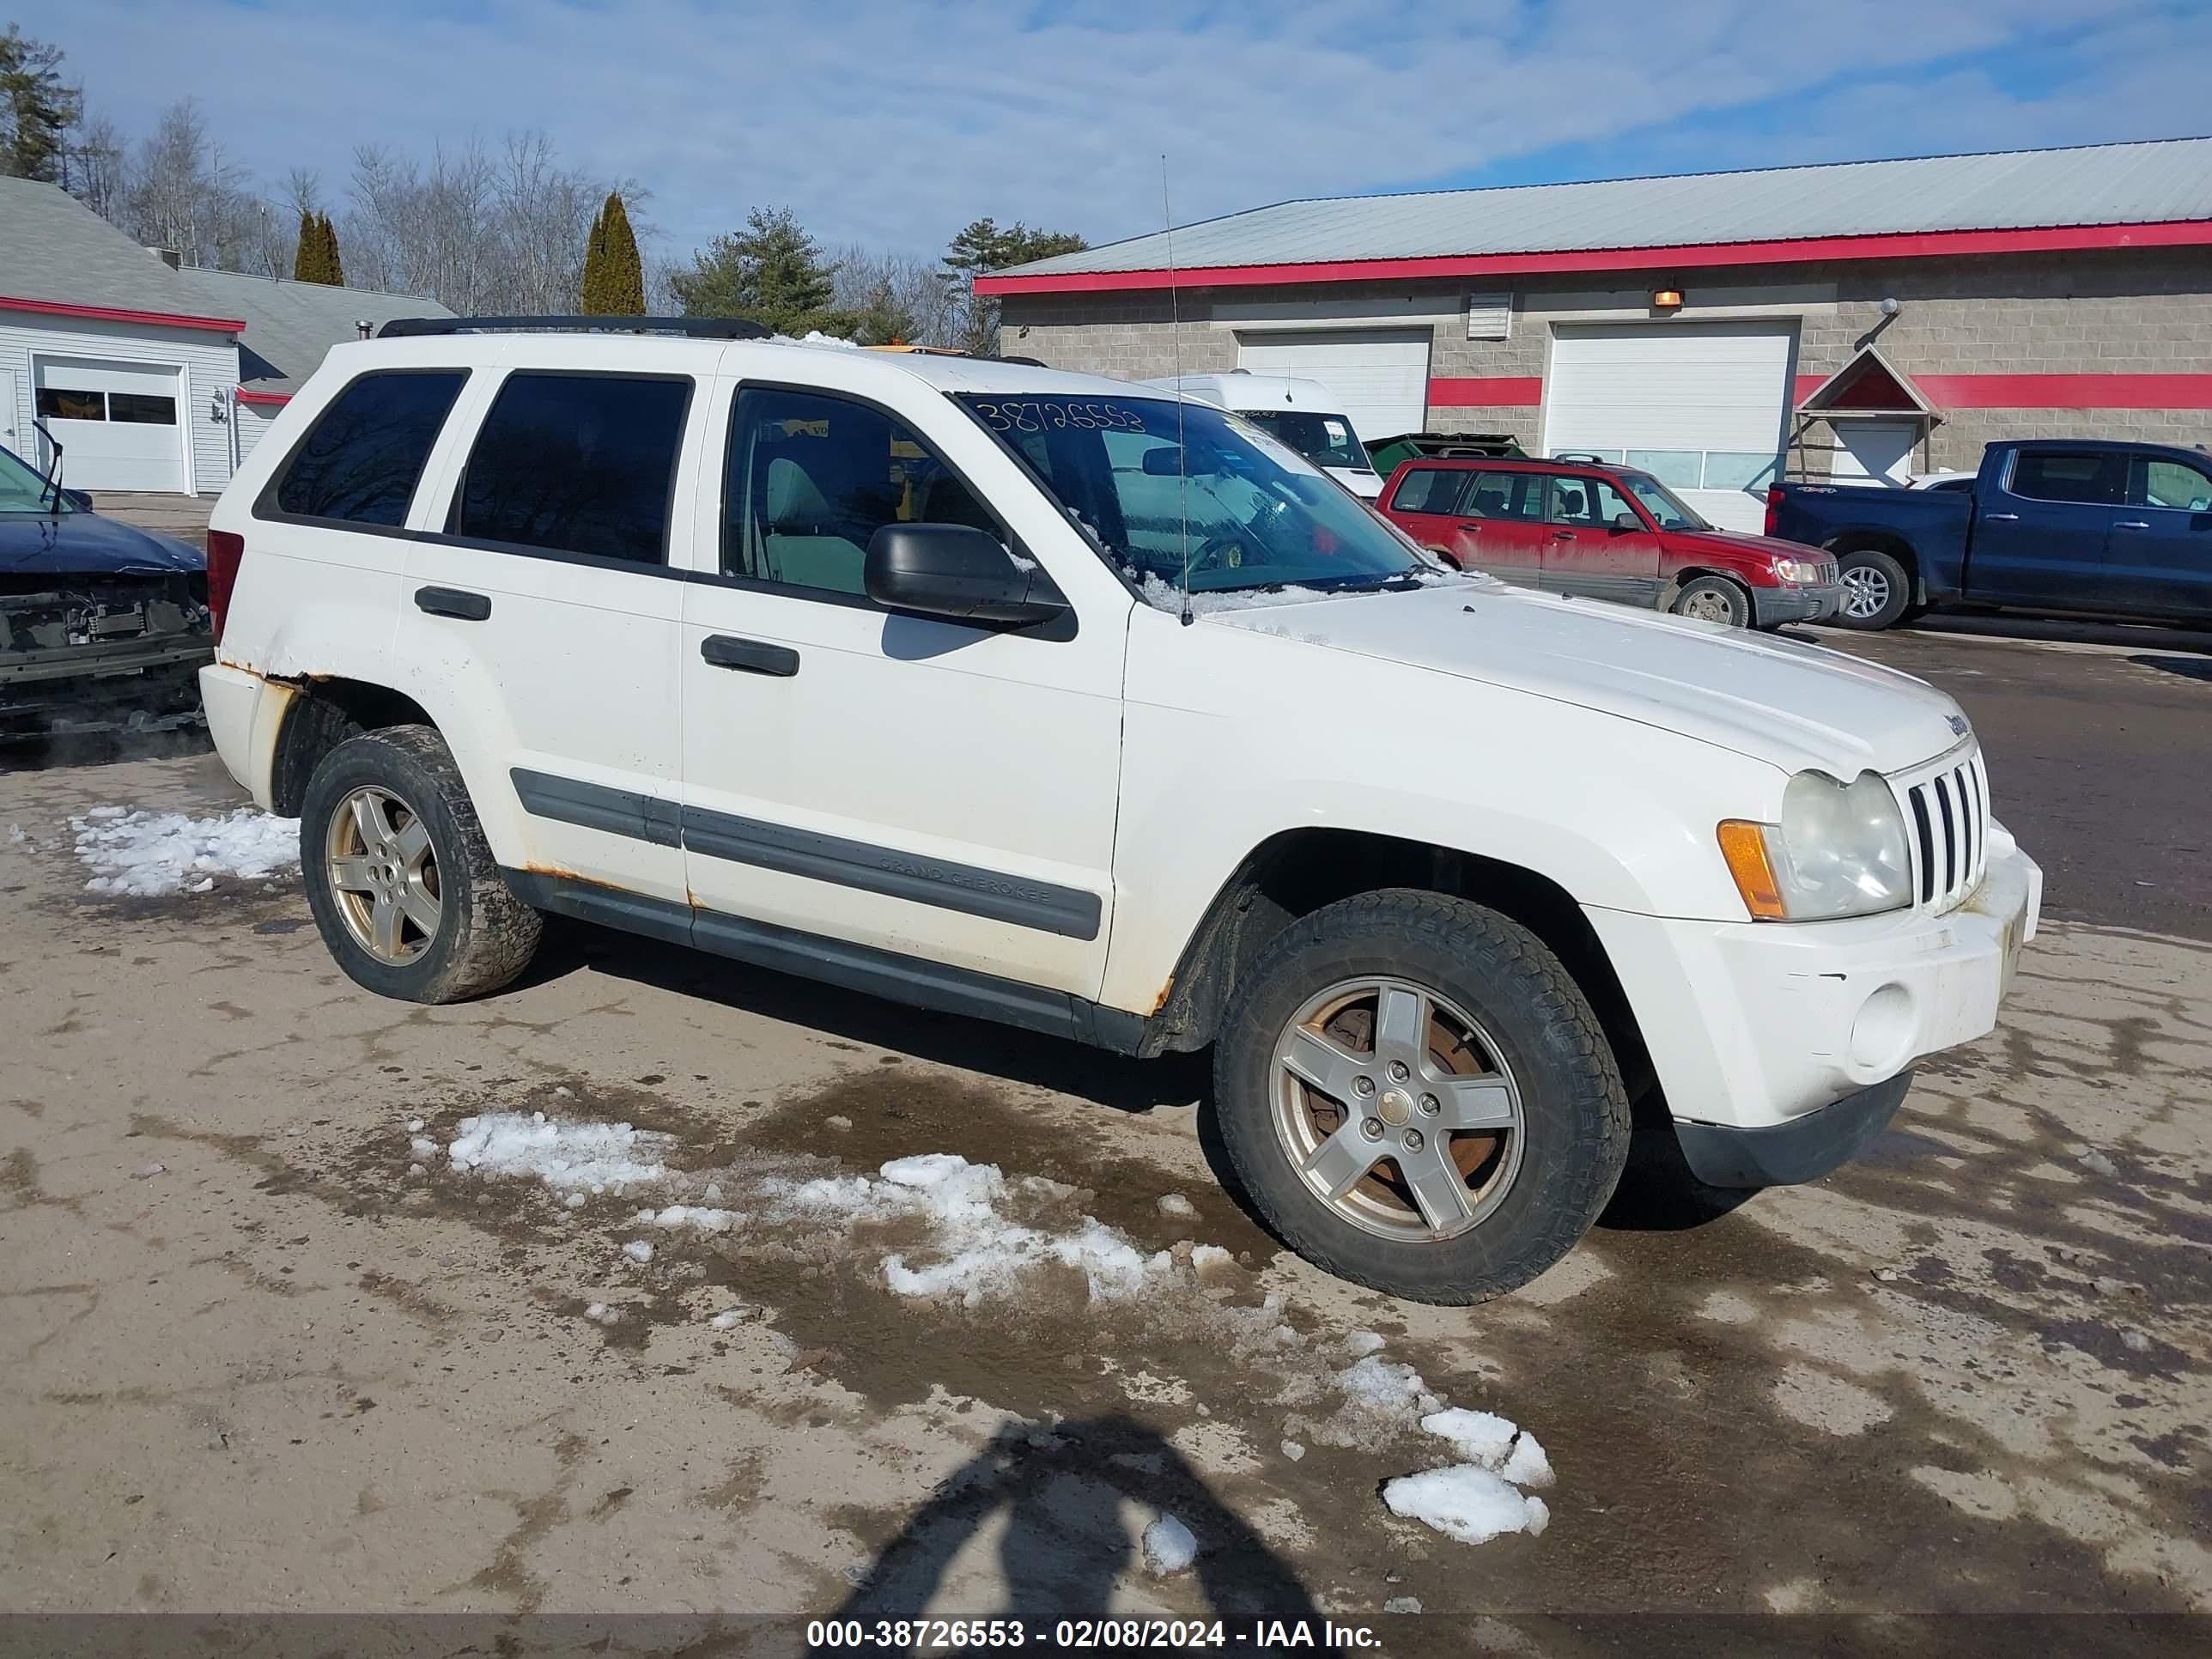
[1795, 705]
[89, 544]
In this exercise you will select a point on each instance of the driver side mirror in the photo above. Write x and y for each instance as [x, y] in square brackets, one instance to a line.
[1627, 523]
[957, 572]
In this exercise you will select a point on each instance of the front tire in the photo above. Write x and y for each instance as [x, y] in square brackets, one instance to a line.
[404, 887]
[1715, 600]
[1417, 1096]
[1877, 592]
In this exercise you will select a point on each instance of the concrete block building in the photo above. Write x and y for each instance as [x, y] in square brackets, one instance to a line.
[1869, 319]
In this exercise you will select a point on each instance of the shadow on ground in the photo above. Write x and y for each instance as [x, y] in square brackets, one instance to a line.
[1063, 1498]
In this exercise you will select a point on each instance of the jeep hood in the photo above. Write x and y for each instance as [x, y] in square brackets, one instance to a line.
[1795, 705]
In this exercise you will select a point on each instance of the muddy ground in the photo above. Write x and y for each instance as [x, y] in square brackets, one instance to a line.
[252, 1363]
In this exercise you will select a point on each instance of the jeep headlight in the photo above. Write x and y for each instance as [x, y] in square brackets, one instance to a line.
[1841, 850]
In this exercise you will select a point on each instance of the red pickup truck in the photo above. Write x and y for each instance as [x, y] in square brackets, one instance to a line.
[1606, 533]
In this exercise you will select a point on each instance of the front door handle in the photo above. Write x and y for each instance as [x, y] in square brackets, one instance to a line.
[750, 656]
[1562, 535]
[453, 602]
[2007, 518]
[2132, 524]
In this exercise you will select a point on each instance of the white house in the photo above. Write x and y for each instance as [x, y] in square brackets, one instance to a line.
[148, 377]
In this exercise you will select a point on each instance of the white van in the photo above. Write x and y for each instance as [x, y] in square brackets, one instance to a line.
[1301, 414]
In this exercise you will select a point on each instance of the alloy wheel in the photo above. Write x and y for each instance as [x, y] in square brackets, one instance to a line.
[1397, 1109]
[384, 875]
[1866, 591]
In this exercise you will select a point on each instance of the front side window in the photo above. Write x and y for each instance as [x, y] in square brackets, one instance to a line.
[1161, 487]
[1666, 509]
[575, 463]
[812, 478]
[2175, 485]
[1589, 502]
[361, 461]
[1429, 489]
[2085, 476]
[1324, 440]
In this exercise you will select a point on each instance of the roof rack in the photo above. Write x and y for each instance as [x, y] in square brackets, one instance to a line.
[702, 328]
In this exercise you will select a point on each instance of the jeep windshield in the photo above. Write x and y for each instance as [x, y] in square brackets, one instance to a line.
[1216, 495]
[22, 490]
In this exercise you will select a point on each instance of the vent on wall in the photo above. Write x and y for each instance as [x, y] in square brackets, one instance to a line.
[1490, 316]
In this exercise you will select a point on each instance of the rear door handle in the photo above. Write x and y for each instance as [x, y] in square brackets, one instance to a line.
[750, 656]
[1562, 535]
[453, 602]
[2009, 518]
[2132, 524]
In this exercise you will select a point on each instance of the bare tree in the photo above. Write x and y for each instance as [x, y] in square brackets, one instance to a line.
[185, 194]
[895, 295]
[95, 167]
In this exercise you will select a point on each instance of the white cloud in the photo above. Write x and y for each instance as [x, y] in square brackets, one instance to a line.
[895, 121]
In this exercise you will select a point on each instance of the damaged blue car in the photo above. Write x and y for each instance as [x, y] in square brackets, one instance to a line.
[103, 626]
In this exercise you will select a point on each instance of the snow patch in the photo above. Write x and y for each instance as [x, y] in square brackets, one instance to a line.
[1175, 1204]
[638, 1251]
[151, 855]
[567, 1156]
[1462, 1501]
[1170, 1547]
[1169, 597]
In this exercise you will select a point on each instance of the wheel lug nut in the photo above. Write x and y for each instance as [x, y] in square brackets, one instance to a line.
[1372, 1128]
[1413, 1141]
[1431, 1106]
[1363, 1086]
[1397, 1070]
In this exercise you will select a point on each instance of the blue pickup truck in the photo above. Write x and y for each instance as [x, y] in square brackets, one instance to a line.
[2054, 525]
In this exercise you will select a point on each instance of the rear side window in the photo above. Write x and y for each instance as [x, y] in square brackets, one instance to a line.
[1516, 496]
[361, 463]
[1430, 489]
[575, 463]
[2058, 475]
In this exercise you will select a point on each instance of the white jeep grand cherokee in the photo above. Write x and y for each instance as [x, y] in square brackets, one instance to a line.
[879, 669]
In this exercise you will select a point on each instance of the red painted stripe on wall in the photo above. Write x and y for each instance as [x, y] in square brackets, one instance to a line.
[1905, 245]
[1948, 392]
[246, 397]
[1483, 391]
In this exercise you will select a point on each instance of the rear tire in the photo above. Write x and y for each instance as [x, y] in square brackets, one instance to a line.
[1877, 592]
[1493, 1032]
[1714, 598]
[404, 887]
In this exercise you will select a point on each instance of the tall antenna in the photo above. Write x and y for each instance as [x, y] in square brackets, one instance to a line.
[1175, 335]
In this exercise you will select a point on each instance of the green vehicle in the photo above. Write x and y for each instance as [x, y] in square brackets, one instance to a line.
[1392, 453]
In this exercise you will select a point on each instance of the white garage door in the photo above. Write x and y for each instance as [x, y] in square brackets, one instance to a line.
[1702, 406]
[118, 423]
[1380, 376]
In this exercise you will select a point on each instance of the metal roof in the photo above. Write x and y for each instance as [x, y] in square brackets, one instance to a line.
[289, 326]
[53, 248]
[2158, 181]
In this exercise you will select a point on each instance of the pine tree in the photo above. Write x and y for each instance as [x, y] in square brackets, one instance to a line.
[37, 110]
[772, 271]
[982, 246]
[614, 276]
[307, 258]
[625, 271]
[333, 267]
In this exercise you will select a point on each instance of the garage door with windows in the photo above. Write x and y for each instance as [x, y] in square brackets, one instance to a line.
[118, 423]
[1701, 406]
[1380, 376]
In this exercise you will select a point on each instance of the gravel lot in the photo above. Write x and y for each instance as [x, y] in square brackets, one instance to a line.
[254, 1361]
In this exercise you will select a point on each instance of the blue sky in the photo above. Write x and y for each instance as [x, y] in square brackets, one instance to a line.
[893, 122]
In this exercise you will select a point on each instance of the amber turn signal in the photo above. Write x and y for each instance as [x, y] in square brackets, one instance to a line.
[1743, 844]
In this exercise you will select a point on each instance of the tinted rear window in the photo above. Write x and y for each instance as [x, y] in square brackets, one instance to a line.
[1429, 489]
[363, 458]
[576, 464]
